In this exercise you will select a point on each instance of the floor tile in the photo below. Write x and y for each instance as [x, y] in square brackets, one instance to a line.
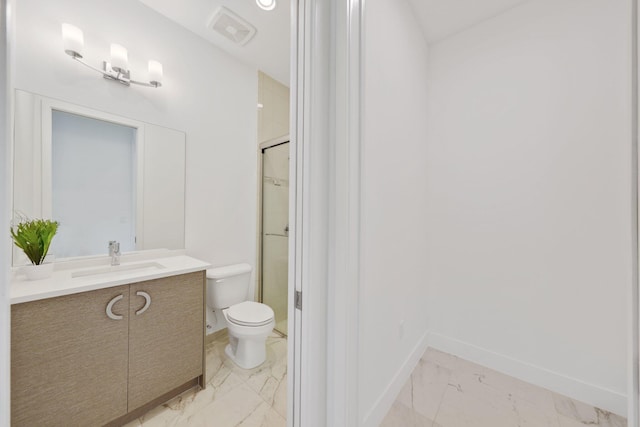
[233, 396]
[263, 416]
[461, 408]
[530, 415]
[573, 409]
[428, 384]
[402, 416]
[605, 419]
[447, 391]
[280, 398]
[230, 410]
[441, 358]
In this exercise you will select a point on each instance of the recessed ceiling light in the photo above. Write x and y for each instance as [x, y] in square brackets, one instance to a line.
[266, 4]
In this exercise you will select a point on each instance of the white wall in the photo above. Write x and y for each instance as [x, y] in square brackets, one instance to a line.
[273, 117]
[394, 205]
[528, 176]
[206, 93]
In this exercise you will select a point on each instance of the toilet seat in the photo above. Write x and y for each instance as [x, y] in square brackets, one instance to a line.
[250, 313]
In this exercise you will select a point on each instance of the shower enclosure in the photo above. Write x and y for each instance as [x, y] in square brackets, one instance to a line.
[275, 229]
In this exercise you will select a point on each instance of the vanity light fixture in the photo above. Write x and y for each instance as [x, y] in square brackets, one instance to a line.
[266, 4]
[116, 70]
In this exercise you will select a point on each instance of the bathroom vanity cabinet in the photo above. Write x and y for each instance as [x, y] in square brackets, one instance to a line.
[109, 355]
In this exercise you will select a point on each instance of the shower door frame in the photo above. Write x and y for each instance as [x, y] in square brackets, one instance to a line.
[259, 259]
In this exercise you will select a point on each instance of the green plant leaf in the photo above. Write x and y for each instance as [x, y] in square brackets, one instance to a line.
[34, 237]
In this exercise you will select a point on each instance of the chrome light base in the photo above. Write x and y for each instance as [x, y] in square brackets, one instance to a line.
[122, 77]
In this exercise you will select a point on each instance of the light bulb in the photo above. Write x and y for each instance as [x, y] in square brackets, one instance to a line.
[72, 40]
[119, 58]
[155, 73]
[266, 4]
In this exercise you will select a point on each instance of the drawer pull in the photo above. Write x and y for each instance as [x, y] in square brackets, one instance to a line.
[109, 309]
[147, 302]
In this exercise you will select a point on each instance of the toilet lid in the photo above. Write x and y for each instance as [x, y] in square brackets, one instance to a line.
[250, 313]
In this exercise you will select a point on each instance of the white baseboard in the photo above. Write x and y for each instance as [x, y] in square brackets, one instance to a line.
[599, 397]
[384, 403]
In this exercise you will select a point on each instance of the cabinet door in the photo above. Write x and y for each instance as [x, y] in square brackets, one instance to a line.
[166, 340]
[69, 360]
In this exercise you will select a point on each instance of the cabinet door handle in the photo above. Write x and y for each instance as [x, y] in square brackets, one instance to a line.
[109, 309]
[147, 302]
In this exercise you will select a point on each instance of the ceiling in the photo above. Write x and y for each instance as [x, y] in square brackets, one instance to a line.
[442, 18]
[268, 50]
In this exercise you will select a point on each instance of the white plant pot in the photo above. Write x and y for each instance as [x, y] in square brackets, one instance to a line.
[39, 272]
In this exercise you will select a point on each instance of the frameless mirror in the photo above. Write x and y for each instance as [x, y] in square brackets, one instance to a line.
[103, 177]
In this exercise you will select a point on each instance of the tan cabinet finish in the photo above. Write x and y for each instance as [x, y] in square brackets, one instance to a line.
[69, 360]
[73, 365]
[166, 341]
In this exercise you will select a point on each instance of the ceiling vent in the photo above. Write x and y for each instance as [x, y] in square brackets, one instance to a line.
[231, 26]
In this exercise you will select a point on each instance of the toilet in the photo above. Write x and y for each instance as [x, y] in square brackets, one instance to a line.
[249, 323]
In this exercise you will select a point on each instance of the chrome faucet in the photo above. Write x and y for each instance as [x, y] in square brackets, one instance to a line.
[114, 252]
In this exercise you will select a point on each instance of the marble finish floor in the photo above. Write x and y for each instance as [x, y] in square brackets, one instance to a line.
[446, 391]
[234, 396]
[281, 326]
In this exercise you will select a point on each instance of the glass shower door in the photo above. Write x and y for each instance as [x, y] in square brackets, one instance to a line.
[275, 231]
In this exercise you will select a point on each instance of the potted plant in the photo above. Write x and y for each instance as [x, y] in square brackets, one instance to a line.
[34, 237]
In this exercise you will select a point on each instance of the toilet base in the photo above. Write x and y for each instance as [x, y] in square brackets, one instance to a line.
[247, 353]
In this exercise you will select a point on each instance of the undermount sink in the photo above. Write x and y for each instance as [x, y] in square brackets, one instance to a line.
[113, 269]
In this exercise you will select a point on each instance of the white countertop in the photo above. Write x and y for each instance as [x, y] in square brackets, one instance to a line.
[62, 283]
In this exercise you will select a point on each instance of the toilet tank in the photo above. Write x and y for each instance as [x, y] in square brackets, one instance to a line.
[228, 285]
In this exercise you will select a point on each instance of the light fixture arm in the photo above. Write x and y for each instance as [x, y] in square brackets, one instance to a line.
[109, 73]
[79, 59]
[150, 84]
